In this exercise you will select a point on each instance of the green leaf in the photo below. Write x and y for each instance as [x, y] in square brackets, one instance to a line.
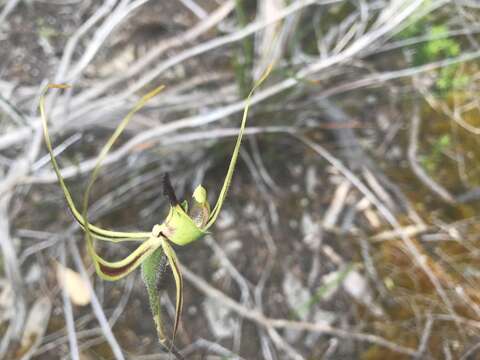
[324, 289]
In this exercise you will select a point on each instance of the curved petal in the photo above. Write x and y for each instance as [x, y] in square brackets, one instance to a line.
[116, 270]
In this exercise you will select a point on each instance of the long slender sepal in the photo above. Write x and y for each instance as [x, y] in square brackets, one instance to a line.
[168, 190]
[106, 148]
[97, 232]
[135, 256]
[233, 160]
[177, 275]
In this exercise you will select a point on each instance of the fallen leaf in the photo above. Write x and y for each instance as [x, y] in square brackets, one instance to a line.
[6, 301]
[76, 287]
[35, 328]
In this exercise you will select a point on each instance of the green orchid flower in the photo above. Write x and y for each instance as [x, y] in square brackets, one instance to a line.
[180, 227]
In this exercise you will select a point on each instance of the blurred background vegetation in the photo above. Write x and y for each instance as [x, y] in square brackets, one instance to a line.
[350, 231]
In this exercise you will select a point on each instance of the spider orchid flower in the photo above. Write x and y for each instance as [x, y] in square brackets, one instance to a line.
[180, 227]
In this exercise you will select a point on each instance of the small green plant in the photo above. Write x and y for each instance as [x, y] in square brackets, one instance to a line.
[449, 79]
[324, 290]
[45, 31]
[431, 161]
[180, 227]
[440, 46]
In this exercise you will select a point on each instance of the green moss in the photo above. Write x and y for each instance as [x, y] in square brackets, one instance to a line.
[45, 31]
[439, 47]
[431, 161]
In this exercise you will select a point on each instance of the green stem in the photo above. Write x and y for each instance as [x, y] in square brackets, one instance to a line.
[243, 62]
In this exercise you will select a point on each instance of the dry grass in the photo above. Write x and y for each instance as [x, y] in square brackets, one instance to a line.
[351, 227]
